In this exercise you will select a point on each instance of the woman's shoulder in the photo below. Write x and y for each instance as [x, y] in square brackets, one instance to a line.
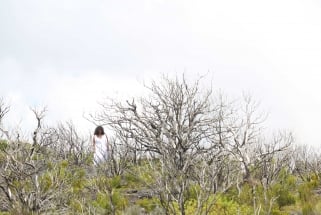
[97, 137]
[100, 137]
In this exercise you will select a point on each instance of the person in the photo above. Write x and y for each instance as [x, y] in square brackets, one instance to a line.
[100, 145]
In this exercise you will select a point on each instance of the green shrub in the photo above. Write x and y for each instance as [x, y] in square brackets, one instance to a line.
[148, 204]
[309, 201]
[284, 194]
[3, 145]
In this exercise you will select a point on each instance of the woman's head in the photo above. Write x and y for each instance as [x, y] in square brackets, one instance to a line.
[99, 131]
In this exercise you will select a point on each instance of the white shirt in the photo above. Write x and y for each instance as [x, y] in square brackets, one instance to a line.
[101, 151]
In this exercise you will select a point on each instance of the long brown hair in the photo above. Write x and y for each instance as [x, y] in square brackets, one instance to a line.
[99, 130]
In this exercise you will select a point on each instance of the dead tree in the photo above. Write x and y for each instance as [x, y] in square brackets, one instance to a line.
[20, 171]
[121, 155]
[173, 125]
[71, 145]
[30, 179]
[307, 162]
[248, 146]
[4, 110]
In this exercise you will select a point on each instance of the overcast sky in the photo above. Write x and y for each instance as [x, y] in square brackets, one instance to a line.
[69, 54]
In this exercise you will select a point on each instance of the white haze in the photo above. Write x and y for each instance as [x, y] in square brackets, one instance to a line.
[69, 54]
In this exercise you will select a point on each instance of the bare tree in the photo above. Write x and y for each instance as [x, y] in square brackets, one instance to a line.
[32, 180]
[273, 157]
[173, 125]
[20, 172]
[307, 161]
[209, 171]
[4, 110]
[70, 145]
[121, 155]
[247, 146]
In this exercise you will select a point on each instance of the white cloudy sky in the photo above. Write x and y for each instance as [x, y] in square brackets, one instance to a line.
[68, 54]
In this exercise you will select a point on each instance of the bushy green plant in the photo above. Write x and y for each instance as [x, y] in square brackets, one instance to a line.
[226, 206]
[110, 196]
[148, 204]
[284, 190]
[3, 145]
[305, 195]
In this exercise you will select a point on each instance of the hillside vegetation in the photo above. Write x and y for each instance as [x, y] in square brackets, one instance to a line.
[181, 149]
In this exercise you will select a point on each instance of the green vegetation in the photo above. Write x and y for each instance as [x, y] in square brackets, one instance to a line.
[83, 192]
[177, 151]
